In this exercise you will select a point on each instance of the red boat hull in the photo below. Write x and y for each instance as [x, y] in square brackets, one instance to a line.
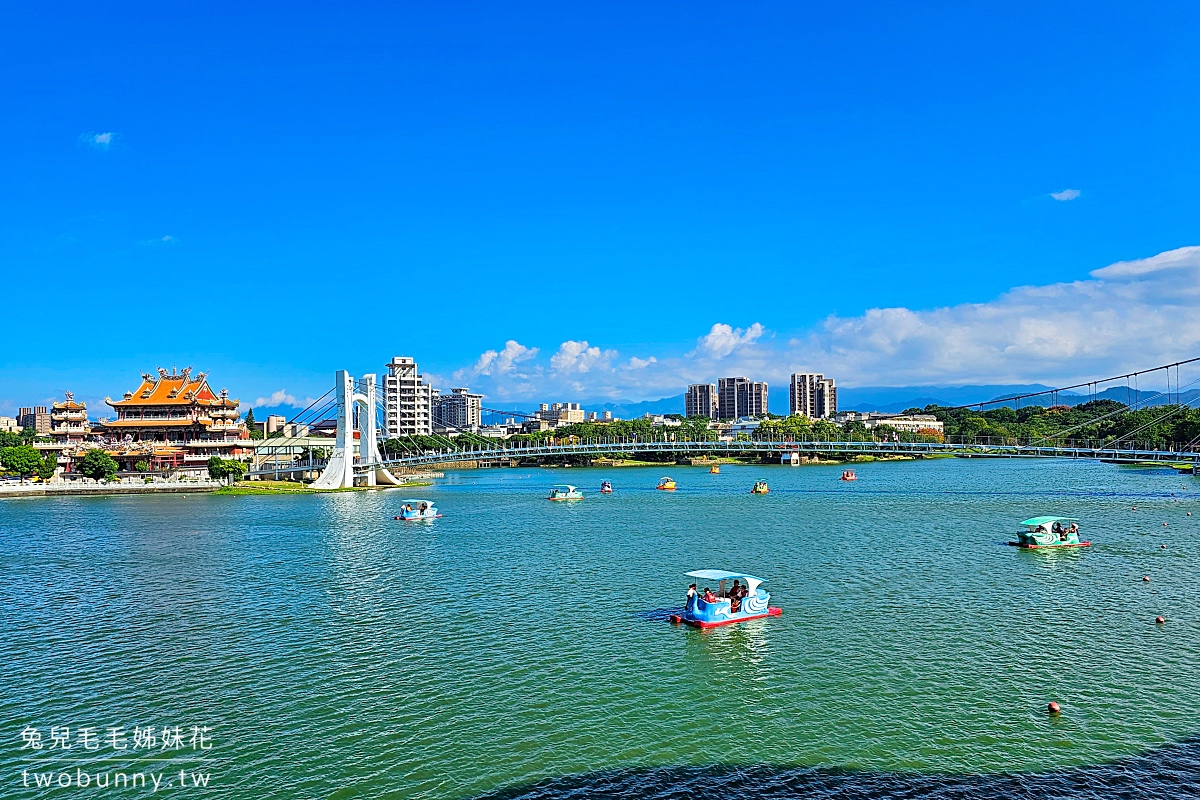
[677, 619]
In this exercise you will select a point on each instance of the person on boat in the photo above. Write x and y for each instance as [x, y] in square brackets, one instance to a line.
[423, 507]
[709, 597]
[735, 595]
[691, 594]
[1058, 527]
[1073, 529]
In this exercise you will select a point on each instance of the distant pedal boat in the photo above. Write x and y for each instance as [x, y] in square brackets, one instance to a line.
[565, 491]
[606, 487]
[1049, 532]
[414, 510]
[760, 487]
[666, 484]
[753, 604]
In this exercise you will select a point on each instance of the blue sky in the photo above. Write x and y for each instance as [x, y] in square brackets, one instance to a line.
[595, 201]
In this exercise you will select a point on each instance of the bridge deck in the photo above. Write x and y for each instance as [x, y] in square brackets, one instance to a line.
[774, 448]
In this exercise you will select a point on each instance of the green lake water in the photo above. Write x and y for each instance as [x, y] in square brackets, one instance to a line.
[334, 652]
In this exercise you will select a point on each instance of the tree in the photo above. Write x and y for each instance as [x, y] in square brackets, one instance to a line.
[255, 431]
[48, 466]
[23, 460]
[141, 466]
[98, 464]
[220, 468]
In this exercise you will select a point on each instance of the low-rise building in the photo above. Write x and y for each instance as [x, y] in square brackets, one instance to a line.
[9, 425]
[559, 414]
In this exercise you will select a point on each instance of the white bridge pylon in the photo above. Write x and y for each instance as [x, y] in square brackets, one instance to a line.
[339, 472]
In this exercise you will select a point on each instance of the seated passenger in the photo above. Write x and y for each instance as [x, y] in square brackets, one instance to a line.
[1058, 527]
[709, 597]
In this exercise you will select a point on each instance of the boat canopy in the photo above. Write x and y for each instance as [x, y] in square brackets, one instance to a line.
[414, 502]
[566, 486]
[721, 575]
[1035, 522]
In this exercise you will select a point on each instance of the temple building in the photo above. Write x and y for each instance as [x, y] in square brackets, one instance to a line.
[69, 421]
[175, 421]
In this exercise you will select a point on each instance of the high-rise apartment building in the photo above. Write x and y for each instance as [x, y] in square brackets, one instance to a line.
[741, 397]
[37, 417]
[407, 400]
[458, 411]
[812, 395]
[701, 400]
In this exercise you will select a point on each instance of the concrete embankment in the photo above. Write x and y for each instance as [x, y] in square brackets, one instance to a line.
[67, 489]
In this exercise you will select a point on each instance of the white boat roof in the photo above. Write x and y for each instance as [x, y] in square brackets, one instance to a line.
[411, 500]
[720, 575]
[564, 486]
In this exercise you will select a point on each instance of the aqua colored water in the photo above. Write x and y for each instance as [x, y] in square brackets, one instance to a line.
[334, 652]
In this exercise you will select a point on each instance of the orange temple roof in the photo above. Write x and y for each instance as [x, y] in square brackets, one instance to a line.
[181, 389]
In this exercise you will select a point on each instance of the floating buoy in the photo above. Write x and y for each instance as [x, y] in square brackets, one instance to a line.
[1164, 524]
[1135, 508]
[1164, 547]
[1145, 579]
[395, 518]
[1053, 708]
[1159, 620]
[1189, 513]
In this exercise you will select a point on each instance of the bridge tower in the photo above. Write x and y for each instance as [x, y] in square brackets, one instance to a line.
[339, 472]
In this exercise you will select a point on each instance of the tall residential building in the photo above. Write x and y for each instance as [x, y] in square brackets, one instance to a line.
[701, 400]
[812, 395]
[37, 417]
[458, 411]
[558, 414]
[407, 400]
[69, 421]
[741, 397]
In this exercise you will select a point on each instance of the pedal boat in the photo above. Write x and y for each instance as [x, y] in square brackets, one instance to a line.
[605, 487]
[848, 475]
[564, 491]
[1040, 532]
[760, 487]
[414, 510]
[667, 484]
[754, 605]
[715, 469]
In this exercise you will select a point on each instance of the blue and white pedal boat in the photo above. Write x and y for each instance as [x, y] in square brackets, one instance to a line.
[701, 614]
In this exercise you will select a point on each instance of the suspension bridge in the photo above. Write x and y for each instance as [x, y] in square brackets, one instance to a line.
[353, 456]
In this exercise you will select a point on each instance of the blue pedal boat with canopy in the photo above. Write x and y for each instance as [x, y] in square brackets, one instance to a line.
[1049, 532]
[739, 597]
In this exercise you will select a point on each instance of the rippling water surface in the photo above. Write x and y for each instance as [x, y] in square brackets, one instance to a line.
[335, 652]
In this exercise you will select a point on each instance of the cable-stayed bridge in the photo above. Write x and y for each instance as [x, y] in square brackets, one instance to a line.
[353, 456]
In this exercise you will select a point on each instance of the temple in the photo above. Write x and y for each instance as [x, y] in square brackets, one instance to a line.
[69, 421]
[175, 420]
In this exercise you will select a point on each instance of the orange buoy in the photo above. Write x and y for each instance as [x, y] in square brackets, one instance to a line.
[1054, 708]
[1159, 620]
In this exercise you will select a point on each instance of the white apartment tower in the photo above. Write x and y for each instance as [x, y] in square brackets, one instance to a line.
[701, 400]
[458, 411]
[812, 395]
[406, 400]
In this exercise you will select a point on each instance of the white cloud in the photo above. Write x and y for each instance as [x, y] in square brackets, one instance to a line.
[97, 141]
[640, 363]
[578, 357]
[282, 398]
[1125, 316]
[155, 242]
[491, 362]
[723, 339]
[1066, 194]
